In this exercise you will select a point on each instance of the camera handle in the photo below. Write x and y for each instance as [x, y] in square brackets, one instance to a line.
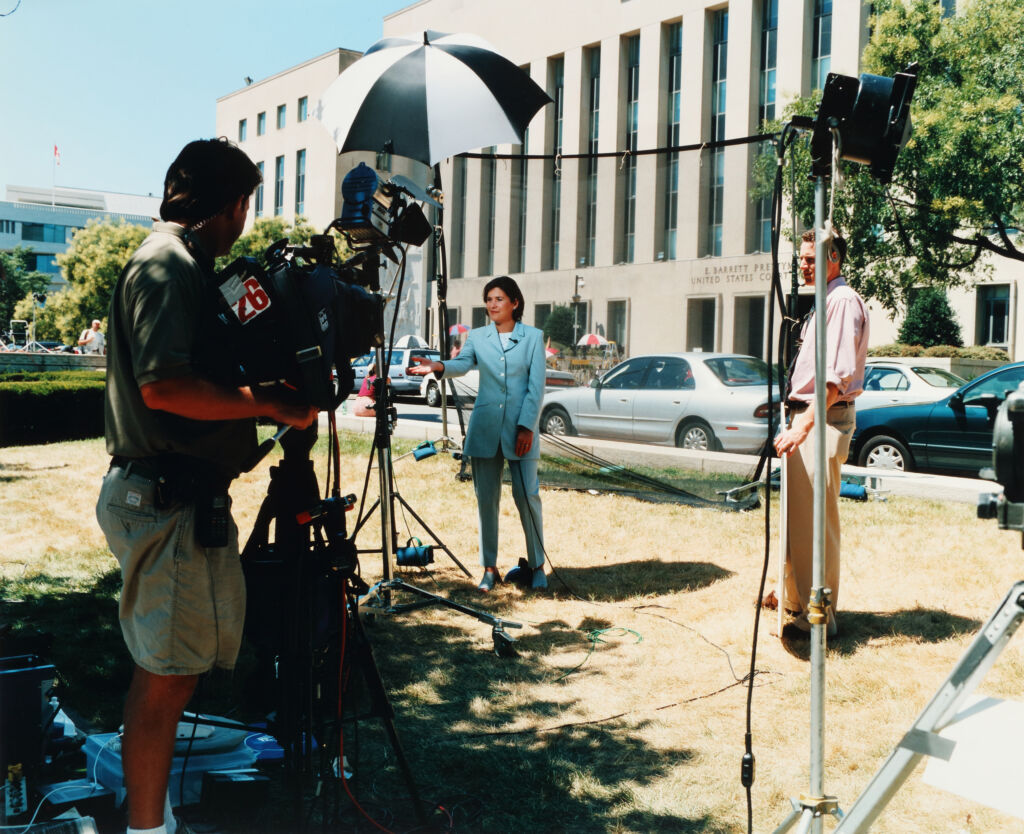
[264, 449]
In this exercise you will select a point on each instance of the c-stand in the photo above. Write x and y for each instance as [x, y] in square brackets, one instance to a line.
[379, 596]
[384, 424]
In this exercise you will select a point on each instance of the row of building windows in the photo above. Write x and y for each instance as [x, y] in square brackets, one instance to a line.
[6, 227]
[44, 232]
[279, 190]
[302, 106]
[613, 328]
[713, 163]
[992, 320]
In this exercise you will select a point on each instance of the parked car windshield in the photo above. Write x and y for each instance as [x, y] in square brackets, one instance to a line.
[938, 377]
[1000, 384]
[365, 359]
[739, 370]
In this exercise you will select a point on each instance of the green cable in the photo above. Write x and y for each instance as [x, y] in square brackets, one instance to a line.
[595, 637]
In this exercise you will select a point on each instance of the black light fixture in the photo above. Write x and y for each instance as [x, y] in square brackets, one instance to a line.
[872, 116]
[377, 212]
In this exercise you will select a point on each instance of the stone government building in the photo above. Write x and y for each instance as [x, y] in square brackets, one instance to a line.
[666, 251]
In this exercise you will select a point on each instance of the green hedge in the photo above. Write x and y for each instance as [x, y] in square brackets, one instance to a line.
[947, 351]
[49, 406]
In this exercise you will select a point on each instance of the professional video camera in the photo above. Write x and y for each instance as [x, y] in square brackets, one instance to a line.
[293, 322]
[1007, 466]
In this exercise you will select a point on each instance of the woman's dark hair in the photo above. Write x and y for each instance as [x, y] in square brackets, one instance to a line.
[511, 289]
[207, 176]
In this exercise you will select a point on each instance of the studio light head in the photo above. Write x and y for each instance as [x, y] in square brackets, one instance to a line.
[376, 212]
[872, 116]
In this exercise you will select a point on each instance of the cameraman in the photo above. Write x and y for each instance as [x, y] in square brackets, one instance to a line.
[177, 438]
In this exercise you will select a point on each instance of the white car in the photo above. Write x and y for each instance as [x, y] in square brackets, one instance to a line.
[886, 383]
[402, 382]
[705, 401]
[466, 386]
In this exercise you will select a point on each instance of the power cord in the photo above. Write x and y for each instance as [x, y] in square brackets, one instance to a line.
[596, 638]
[95, 787]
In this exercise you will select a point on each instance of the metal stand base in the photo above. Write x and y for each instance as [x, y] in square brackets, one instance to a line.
[922, 739]
[436, 540]
[378, 595]
[807, 810]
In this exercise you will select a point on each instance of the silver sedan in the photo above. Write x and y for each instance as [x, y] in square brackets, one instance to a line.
[705, 401]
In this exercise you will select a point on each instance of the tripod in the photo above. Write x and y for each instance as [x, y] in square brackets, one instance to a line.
[922, 738]
[301, 577]
[380, 595]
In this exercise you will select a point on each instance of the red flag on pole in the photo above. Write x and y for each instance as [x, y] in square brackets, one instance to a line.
[56, 155]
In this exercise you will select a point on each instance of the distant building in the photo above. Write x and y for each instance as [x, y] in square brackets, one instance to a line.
[45, 219]
[672, 249]
[273, 121]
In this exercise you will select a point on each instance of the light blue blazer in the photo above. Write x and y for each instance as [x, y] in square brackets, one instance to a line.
[511, 389]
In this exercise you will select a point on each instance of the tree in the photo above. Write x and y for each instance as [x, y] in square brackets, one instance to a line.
[17, 281]
[264, 232]
[930, 320]
[91, 266]
[958, 187]
[558, 325]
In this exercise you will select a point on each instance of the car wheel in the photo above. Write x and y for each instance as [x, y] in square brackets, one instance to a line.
[696, 434]
[433, 395]
[556, 421]
[883, 452]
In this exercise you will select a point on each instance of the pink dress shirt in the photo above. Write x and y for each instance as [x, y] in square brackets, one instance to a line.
[846, 329]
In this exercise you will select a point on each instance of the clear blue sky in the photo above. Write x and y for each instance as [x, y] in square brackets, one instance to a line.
[121, 85]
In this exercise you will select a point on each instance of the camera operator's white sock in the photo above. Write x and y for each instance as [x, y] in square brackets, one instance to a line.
[170, 821]
[160, 829]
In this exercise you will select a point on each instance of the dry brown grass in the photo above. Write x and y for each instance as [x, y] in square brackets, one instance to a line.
[663, 750]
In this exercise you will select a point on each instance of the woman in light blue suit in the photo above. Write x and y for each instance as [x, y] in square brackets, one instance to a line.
[504, 423]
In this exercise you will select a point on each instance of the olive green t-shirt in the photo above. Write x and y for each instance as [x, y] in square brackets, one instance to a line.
[158, 315]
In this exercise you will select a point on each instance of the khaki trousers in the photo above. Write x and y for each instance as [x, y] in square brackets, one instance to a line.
[799, 576]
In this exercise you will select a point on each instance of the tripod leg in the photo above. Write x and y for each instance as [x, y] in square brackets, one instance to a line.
[922, 739]
[432, 534]
[380, 705]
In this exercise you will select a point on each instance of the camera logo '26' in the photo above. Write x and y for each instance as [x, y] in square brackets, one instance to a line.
[246, 298]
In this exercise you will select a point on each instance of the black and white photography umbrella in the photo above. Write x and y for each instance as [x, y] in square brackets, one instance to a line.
[429, 97]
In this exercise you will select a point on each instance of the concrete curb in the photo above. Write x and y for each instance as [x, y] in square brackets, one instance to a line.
[888, 482]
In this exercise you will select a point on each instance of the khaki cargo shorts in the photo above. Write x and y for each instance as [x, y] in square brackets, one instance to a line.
[182, 605]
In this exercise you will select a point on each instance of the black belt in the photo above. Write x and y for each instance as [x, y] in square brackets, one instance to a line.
[190, 481]
[179, 470]
[800, 405]
[147, 468]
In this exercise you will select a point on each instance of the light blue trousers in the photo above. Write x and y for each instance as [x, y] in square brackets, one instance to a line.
[487, 474]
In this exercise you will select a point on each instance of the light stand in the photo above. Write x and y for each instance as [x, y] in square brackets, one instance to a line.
[33, 346]
[871, 118]
[378, 598]
[441, 276]
[576, 309]
[810, 808]
[388, 495]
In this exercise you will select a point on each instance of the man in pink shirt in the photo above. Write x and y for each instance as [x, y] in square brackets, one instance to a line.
[846, 320]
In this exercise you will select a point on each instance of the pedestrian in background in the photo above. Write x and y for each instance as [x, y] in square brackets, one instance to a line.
[92, 340]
